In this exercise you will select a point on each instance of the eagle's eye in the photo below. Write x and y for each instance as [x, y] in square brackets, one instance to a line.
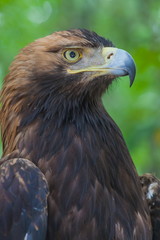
[72, 55]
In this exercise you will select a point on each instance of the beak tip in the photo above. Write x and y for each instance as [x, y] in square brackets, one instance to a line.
[131, 80]
[132, 73]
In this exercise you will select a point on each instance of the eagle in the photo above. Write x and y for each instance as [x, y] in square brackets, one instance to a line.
[66, 172]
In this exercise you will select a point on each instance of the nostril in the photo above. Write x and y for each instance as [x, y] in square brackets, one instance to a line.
[109, 56]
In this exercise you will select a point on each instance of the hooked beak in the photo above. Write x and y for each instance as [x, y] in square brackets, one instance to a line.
[117, 62]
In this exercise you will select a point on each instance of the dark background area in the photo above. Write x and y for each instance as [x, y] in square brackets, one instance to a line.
[133, 25]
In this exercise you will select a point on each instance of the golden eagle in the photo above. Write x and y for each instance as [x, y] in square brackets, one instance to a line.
[66, 173]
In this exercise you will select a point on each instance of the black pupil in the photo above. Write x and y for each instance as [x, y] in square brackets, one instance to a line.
[72, 54]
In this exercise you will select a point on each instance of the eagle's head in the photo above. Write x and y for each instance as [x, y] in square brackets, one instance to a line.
[71, 62]
[61, 73]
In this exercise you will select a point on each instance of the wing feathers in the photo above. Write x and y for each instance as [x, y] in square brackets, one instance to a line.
[23, 201]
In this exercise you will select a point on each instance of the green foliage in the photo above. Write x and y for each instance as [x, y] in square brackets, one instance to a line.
[132, 25]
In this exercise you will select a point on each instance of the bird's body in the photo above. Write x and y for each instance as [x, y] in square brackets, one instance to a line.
[89, 198]
[55, 118]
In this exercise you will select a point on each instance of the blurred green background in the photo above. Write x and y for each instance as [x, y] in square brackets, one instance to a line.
[133, 25]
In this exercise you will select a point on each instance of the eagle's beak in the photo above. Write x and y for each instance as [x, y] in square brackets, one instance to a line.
[118, 63]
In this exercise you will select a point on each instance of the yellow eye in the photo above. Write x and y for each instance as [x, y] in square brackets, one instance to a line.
[72, 55]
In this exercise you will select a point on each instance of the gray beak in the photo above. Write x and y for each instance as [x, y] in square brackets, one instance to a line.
[119, 63]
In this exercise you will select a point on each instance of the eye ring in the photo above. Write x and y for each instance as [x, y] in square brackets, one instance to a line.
[72, 55]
